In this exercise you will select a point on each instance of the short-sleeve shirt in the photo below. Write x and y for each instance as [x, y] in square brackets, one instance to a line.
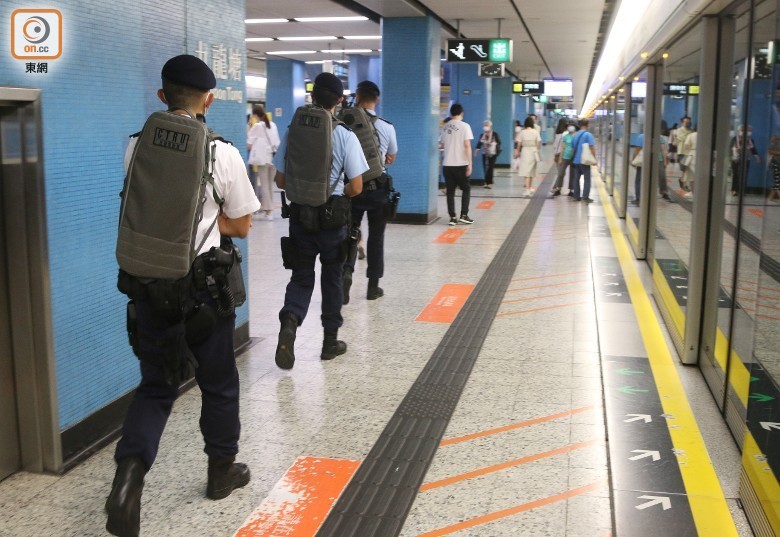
[581, 137]
[640, 142]
[454, 136]
[347, 157]
[388, 144]
[568, 151]
[233, 185]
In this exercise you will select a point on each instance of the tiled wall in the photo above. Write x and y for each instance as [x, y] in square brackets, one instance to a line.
[97, 93]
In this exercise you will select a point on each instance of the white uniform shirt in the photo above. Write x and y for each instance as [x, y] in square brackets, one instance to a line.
[264, 140]
[232, 184]
[454, 135]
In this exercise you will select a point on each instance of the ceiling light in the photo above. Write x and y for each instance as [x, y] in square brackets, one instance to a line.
[316, 62]
[621, 90]
[285, 52]
[347, 51]
[645, 55]
[309, 38]
[362, 37]
[636, 79]
[330, 19]
[264, 21]
[665, 55]
[256, 39]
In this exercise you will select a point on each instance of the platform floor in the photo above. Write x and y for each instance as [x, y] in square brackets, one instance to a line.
[526, 451]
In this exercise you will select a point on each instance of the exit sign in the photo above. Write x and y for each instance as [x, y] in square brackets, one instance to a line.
[497, 50]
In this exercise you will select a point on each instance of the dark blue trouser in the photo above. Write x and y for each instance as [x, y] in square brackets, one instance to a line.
[217, 377]
[581, 169]
[327, 245]
[372, 204]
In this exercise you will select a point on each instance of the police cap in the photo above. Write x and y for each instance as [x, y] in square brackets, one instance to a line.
[369, 87]
[188, 70]
[330, 82]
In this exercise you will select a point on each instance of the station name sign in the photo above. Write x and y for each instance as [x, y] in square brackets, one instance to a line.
[497, 50]
[528, 88]
[681, 90]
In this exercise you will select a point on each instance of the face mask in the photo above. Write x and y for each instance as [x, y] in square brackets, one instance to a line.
[517, 129]
[571, 128]
[486, 129]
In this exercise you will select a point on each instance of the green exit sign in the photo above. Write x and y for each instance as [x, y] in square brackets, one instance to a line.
[500, 50]
[496, 50]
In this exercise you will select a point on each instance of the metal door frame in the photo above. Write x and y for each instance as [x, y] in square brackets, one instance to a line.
[30, 298]
[645, 246]
[626, 143]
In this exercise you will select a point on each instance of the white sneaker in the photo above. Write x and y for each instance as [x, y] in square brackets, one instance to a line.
[526, 193]
[688, 195]
[268, 216]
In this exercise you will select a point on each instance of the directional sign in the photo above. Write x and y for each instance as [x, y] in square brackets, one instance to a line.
[479, 50]
[663, 501]
[647, 418]
[492, 70]
[630, 390]
[643, 453]
[528, 88]
[627, 371]
[761, 398]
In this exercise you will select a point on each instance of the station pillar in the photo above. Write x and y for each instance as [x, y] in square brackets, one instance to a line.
[286, 90]
[502, 112]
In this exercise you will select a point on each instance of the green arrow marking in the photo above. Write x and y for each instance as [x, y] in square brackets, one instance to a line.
[626, 371]
[630, 390]
[753, 379]
[761, 398]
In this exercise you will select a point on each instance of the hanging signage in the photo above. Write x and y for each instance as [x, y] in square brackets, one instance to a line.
[492, 70]
[528, 88]
[558, 88]
[681, 90]
[479, 50]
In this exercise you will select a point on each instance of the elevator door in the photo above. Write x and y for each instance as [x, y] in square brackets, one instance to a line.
[10, 169]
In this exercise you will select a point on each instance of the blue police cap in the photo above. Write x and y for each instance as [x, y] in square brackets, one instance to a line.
[189, 70]
[369, 86]
[330, 82]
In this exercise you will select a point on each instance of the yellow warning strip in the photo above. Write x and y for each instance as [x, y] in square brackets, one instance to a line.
[763, 480]
[632, 229]
[705, 496]
[667, 295]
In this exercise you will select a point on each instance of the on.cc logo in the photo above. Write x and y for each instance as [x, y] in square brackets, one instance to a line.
[36, 34]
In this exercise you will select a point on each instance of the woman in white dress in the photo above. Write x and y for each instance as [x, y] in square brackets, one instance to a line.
[263, 141]
[529, 145]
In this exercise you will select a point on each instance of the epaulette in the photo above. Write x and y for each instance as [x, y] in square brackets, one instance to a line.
[136, 135]
[383, 119]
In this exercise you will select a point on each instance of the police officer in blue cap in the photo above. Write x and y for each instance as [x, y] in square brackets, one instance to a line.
[374, 198]
[348, 165]
[186, 81]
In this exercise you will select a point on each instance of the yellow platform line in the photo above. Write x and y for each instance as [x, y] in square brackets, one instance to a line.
[705, 495]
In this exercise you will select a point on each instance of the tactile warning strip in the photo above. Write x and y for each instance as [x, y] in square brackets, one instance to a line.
[378, 499]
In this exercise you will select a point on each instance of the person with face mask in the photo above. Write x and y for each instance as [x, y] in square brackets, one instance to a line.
[682, 157]
[490, 145]
[740, 145]
[563, 159]
[516, 160]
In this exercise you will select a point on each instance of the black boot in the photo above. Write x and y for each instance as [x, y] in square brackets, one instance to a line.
[374, 291]
[225, 476]
[332, 347]
[346, 280]
[285, 350]
[124, 502]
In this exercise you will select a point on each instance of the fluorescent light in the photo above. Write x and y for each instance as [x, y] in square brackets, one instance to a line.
[317, 62]
[310, 38]
[258, 39]
[264, 21]
[362, 37]
[330, 19]
[340, 61]
[347, 51]
[286, 52]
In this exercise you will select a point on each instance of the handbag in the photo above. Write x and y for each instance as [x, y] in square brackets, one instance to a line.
[537, 156]
[587, 157]
[637, 162]
[261, 156]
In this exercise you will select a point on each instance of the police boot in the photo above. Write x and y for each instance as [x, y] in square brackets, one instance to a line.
[332, 347]
[124, 502]
[374, 291]
[346, 280]
[225, 475]
[285, 350]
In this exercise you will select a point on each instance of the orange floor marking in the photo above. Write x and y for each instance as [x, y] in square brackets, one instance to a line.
[513, 426]
[548, 285]
[512, 511]
[445, 306]
[450, 236]
[505, 465]
[485, 204]
[507, 314]
[300, 501]
[549, 276]
[544, 296]
[757, 212]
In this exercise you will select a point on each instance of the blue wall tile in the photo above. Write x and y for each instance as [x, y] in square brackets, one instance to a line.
[502, 110]
[286, 89]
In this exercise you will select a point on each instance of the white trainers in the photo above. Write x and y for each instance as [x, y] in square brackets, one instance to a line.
[526, 193]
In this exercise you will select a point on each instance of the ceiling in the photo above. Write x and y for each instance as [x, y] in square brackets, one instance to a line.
[565, 32]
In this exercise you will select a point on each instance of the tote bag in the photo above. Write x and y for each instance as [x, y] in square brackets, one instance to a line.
[587, 155]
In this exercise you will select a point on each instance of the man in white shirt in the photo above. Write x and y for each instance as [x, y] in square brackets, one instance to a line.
[456, 139]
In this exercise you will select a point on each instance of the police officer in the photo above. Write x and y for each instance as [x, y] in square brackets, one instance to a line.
[348, 163]
[373, 199]
[186, 82]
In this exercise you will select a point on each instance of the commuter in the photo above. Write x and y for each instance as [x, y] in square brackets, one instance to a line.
[537, 126]
[166, 358]
[689, 175]
[739, 145]
[314, 231]
[456, 139]
[582, 169]
[374, 198]
[774, 167]
[673, 144]
[516, 159]
[563, 158]
[663, 162]
[262, 142]
[529, 145]
[490, 144]
[683, 160]
[252, 170]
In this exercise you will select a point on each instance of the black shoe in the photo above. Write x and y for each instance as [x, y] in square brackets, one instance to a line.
[374, 291]
[361, 254]
[225, 476]
[666, 197]
[556, 192]
[576, 199]
[332, 347]
[464, 219]
[285, 349]
[453, 221]
[124, 502]
[587, 200]
[346, 282]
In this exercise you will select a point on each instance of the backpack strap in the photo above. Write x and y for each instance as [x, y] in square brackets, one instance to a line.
[211, 151]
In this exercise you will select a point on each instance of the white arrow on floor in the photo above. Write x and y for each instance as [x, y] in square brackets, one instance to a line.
[768, 425]
[655, 500]
[636, 417]
[645, 453]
